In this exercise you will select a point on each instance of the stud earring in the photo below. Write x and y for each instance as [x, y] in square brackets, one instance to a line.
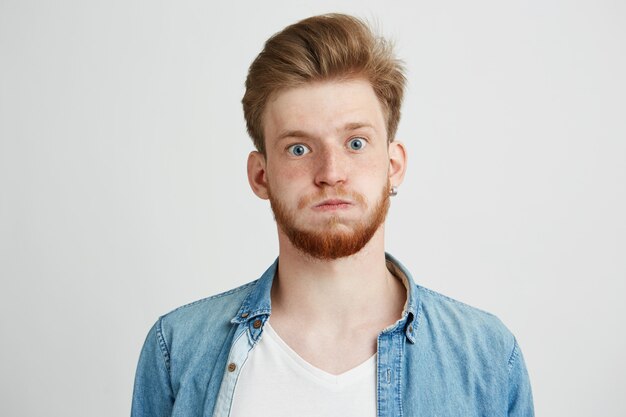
[393, 191]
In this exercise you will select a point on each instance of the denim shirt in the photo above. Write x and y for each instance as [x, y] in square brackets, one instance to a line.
[441, 358]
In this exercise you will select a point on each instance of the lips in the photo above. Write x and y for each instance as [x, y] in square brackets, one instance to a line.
[333, 204]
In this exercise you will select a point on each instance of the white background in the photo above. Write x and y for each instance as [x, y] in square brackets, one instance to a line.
[123, 192]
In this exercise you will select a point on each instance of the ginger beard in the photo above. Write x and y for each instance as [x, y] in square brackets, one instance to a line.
[330, 241]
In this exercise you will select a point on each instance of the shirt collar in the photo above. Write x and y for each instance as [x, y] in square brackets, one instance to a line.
[258, 302]
[408, 320]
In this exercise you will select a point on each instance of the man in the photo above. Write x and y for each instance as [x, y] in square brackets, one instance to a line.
[335, 327]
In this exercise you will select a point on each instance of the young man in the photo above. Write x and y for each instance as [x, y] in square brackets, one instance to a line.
[335, 327]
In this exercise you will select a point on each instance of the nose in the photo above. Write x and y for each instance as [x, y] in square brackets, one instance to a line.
[331, 169]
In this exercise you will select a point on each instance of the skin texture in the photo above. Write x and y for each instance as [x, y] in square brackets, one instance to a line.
[327, 171]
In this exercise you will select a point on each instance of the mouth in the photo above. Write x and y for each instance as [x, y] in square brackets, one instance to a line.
[333, 204]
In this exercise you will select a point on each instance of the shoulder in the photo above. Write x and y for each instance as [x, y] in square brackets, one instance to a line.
[461, 325]
[207, 316]
[214, 302]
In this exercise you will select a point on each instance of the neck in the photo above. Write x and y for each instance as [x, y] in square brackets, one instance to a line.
[340, 292]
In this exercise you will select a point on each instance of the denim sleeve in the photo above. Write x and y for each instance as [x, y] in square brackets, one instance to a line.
[520, 394]
[152, 394]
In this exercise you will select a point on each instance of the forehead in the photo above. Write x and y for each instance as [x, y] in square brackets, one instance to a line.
[321, 108]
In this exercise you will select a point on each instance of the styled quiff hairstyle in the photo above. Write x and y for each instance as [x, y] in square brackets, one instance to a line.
[320, 48]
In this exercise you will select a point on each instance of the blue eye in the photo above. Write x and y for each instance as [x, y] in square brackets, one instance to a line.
[298, 149]
[356, 144]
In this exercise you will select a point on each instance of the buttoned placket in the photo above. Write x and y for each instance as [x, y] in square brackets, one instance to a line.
[390, 353]
[389, 373]
[245, 339]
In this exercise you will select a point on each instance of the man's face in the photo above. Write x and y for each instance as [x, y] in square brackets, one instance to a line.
[326, 171]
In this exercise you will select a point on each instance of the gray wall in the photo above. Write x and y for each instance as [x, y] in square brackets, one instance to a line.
[123, 192]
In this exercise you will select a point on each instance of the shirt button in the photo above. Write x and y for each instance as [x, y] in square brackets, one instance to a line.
[244, 315]
[256, 324]
[232, 367]
[410, 329]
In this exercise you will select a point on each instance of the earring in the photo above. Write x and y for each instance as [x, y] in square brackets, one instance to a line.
[393, 191]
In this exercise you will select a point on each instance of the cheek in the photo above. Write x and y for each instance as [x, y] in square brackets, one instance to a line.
[287, 173]
[378, 165]
[373, 176]
[286, 183]
[375, 166]
[296, 172]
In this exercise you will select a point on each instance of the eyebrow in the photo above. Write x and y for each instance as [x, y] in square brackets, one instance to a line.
[356, 125]
[302, 134]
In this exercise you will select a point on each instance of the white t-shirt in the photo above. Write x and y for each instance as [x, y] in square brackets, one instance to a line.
[276, 382]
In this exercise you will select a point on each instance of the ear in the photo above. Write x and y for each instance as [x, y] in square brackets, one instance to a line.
[397, 163]
[257, 177]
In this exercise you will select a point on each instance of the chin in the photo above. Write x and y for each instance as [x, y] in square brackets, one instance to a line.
[338, 226]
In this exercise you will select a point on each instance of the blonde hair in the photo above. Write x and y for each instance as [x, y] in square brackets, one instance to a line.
[325, 47]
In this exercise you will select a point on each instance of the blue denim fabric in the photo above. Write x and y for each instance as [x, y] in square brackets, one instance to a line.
[442, 358]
